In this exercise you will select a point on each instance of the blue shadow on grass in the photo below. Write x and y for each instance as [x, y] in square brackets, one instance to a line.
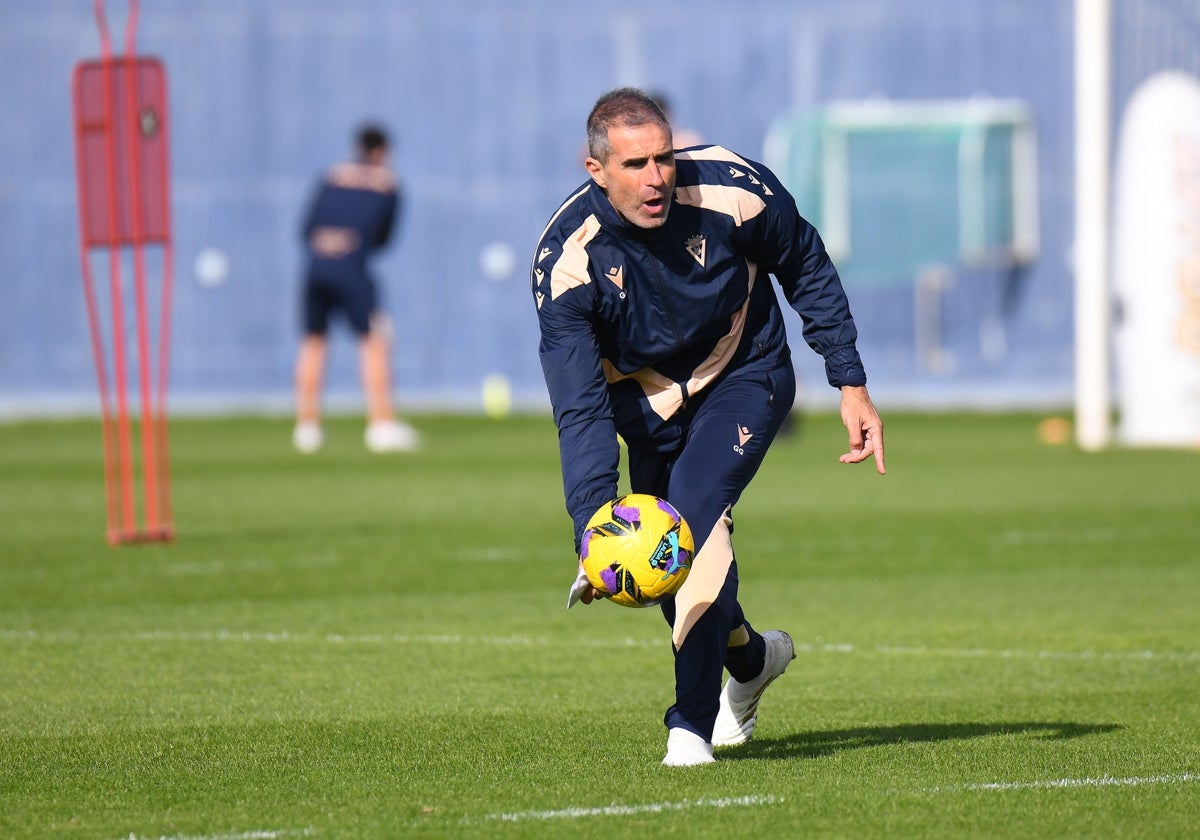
[819, 744]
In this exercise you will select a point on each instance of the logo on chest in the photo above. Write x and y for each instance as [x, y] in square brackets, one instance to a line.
[617, 276]
[695, 247]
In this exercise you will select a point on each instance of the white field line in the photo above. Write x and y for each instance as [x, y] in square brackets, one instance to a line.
[628, 810]
[261, 834]
[287, 637]
[1103, 781]
[1127, 655]
[749, 801]
[819, 648]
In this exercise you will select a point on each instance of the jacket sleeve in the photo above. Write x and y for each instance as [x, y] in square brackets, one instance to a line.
[387, 219]
[587, 437]
[788, 246]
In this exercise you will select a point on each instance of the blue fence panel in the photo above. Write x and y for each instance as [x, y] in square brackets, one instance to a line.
[487, 103]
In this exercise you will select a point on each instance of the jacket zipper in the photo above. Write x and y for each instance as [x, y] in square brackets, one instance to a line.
[662, 293]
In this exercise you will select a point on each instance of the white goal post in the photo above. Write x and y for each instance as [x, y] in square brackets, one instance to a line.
[1093, 126]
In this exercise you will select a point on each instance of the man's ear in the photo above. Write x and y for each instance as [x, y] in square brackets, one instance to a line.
[596, 170]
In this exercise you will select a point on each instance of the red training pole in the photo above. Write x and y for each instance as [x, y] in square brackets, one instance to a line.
[123, 180]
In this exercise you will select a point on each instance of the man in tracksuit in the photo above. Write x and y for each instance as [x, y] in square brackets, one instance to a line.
[659, 323]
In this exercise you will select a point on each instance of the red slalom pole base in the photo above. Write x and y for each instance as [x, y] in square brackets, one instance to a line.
[141, 535]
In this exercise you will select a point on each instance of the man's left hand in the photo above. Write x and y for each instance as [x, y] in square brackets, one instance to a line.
[864, 425]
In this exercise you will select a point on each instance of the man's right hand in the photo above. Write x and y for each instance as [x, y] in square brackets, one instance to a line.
[582, 590]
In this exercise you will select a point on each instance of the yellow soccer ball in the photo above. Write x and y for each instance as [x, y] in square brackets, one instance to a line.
[637, 550]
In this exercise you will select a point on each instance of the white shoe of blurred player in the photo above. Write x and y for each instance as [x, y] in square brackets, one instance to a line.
[307, 437]
[685, 749]
[391, 436]
[739, 701]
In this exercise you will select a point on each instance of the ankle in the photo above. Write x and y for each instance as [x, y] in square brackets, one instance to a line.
[747, 661]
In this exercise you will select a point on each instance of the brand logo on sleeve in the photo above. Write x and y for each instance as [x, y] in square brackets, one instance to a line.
[737, 173]
[539, 278]
[766, 190]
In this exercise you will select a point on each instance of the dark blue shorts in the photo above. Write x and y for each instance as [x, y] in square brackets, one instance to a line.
[355, 298]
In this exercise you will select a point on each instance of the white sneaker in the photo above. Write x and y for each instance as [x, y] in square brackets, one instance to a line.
[739, 701]
[686, 749]
[307, 437]
[391, 436]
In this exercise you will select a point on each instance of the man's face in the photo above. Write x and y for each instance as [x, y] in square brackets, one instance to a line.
[639, 175]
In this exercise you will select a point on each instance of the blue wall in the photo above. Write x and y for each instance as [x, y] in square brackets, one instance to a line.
[487, 101]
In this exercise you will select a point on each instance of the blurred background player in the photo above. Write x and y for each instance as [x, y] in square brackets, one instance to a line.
[353, 214]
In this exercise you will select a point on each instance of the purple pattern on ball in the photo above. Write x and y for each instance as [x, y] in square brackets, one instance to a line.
[587, 541]
[666, 508]
[609, 577]
[629, 514]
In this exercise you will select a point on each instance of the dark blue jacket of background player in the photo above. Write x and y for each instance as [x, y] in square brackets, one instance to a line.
[354, 212]
[635, 322]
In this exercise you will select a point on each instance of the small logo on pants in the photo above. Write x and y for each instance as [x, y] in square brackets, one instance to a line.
[744, 436]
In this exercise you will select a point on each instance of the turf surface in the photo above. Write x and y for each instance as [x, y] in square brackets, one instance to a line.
[1000, 638]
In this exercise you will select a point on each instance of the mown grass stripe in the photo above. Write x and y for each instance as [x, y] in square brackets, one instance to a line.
[285, 636]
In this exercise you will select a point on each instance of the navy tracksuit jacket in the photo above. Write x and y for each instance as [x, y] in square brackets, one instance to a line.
[635, 322]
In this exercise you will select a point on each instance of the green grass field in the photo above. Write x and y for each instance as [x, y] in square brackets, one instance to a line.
[1000, 638]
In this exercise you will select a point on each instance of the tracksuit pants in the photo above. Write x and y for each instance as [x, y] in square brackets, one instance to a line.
[726, 431]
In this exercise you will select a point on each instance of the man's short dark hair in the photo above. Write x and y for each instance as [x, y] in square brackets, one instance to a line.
[627, 107]
[371, 138]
